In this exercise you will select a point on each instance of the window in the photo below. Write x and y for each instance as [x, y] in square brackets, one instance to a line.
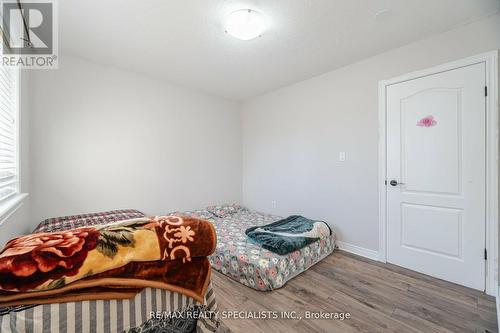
[9, 141]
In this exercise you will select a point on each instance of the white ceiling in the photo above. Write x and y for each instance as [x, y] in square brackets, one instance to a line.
[183, 41]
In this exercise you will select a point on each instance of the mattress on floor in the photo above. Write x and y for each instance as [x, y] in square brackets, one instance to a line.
[132, 315]
[85, 220]
[250, 264]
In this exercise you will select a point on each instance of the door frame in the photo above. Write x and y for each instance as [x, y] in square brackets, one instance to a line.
[492, 153]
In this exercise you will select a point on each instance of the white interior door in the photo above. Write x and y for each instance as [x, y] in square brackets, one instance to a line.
[436, 162]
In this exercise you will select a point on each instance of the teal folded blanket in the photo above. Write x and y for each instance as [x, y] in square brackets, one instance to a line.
[288, 235]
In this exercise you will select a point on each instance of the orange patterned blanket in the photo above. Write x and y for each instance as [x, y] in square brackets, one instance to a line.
[161, 252]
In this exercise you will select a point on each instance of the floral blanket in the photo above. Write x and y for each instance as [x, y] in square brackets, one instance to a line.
[250, 264]
[161, 252]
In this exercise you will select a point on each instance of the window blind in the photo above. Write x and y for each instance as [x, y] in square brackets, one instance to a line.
[9, 173]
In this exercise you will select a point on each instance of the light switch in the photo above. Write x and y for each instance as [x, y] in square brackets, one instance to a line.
[342, 156]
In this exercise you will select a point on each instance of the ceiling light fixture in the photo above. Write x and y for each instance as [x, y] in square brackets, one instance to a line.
[245, 24]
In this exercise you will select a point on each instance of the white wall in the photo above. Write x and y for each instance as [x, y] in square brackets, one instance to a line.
[292, 137]
[103, 138]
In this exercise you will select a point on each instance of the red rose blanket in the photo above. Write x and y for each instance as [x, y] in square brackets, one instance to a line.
[162, 252]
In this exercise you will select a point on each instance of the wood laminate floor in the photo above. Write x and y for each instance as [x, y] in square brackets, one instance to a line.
[379, 297]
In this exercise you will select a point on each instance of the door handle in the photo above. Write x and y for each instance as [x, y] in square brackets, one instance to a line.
[395, 183]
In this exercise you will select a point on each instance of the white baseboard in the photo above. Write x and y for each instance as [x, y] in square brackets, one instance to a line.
[498, 306]
[360, 251]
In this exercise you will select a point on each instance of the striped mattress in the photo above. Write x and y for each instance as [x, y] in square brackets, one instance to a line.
[134, 315]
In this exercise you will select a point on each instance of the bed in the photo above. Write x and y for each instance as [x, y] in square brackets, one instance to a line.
[132, 315]
[150, 310]
[248, 263]
[85, 220]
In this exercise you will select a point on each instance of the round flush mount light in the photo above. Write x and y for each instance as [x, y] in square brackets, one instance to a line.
[383, 15]
[245, 24]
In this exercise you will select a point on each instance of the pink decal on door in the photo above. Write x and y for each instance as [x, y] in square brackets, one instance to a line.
[427, 122]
